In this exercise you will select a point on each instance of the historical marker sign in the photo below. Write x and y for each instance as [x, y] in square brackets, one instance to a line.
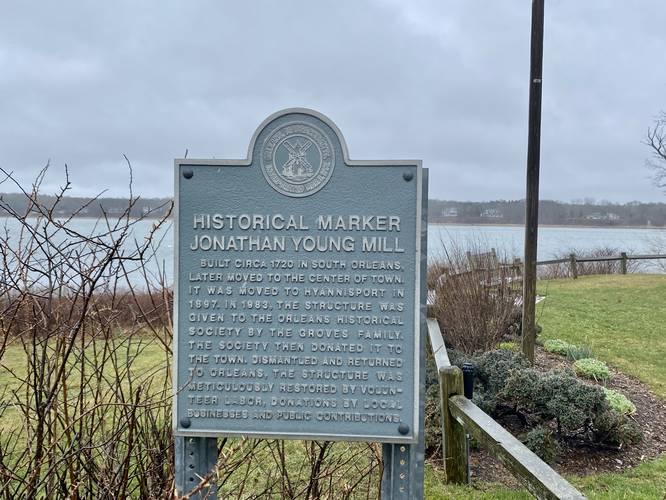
[298, 295]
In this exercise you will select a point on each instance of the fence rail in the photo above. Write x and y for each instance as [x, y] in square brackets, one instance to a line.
[601, 259]
[460, 416]
[573, 260]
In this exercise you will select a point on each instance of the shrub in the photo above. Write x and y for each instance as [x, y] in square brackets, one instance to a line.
[519, 390]
[542, 442]
[458, 358]
[575, 352]
[435, 271]
[557, 346]
[87, 416]
[619, 402]
[578, 409]
[493, 368]
[475, 299]
[556, 395]
[570, 402]
[614, 428]
[505, 384]
[593, 369]
[508, 346]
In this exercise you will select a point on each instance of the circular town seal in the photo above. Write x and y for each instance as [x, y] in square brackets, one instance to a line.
[297, 159]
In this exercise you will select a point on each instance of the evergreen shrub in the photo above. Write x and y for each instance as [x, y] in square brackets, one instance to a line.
[505, 385]
[543, 442]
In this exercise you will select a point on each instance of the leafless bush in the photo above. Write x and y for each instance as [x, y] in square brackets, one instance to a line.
[85, 371]
[82, 417]
[475, 295]
[563, 269]
[657, 246]
[554, 271]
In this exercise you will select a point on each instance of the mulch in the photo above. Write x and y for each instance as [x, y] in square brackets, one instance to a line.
[650, 416]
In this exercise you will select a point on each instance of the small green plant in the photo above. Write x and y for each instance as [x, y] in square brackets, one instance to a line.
[616, 429]
[557, 346]
[509, 346]
[619, 402]
[542, 442]
[593, 369]
[576, 352]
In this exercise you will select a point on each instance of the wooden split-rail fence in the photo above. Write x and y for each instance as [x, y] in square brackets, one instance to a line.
[623, 259]
[460, 417]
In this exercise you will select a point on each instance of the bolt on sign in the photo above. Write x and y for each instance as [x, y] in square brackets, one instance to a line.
[298, 290]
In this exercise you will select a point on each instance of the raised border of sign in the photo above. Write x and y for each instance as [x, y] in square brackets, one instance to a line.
[246, 162]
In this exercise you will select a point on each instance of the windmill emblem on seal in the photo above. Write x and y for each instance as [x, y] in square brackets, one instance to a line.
[297, 167]
[297, 158]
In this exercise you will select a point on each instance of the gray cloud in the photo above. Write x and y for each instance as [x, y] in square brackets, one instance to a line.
[447, 82]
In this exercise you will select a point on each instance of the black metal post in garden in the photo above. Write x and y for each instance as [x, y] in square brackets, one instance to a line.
[468, 379]
[532, 194]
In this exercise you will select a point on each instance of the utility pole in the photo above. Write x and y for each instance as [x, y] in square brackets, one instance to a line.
[532, 194]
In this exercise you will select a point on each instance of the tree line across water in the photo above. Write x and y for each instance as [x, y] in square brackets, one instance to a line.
[581, 212]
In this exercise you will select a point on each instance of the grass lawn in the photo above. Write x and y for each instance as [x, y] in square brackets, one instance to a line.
[622, 318]
[647, 481]
[145, 356]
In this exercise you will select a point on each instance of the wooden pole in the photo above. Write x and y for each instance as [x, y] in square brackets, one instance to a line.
[532, 194]
[573, 265]
[454, 440]
[623, 263]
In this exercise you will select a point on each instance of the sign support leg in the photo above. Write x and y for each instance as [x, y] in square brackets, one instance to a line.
[403, 463]
[397, 476]
[195, 460]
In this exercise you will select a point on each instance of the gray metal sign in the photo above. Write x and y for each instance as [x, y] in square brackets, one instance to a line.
[298, 290]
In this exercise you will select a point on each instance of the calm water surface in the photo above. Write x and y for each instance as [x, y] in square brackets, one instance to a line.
[553, 241]
[508, 240]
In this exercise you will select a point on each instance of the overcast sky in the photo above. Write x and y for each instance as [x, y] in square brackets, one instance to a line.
[445, 81]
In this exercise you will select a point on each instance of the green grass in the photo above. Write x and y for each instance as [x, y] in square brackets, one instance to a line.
[647, 481]
[145, 354]
[622, 318]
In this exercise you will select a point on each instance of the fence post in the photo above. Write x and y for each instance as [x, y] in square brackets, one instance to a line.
[454, 441]
[623, 263]
[573, 265]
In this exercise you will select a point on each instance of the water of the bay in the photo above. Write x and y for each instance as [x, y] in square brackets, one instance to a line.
[507, 240]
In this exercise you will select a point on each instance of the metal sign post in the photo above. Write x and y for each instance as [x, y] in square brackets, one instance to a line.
[195, 462]
[403, 472]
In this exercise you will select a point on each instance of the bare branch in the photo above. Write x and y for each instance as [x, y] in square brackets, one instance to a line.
[655, 139]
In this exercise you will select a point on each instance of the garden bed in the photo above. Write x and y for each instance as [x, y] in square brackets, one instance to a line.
[585, 459]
